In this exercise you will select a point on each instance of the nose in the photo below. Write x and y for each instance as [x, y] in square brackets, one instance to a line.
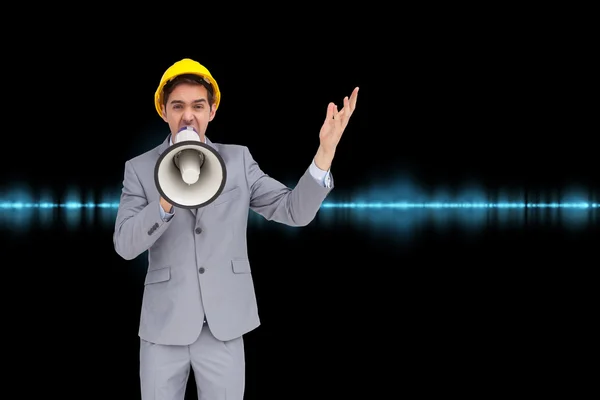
[188, 116]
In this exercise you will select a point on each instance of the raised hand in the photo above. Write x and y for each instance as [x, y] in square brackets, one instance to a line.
[336, 122]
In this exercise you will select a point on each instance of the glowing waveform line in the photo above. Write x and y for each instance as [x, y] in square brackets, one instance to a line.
[349, 205]
[69, 205]
[460, 205]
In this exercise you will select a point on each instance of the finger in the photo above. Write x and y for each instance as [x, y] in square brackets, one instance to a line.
[353, 98]
[337, 118]
[346, 112]
[348, 105]
[329, 114]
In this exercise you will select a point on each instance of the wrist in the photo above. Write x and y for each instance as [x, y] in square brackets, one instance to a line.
[324, 158]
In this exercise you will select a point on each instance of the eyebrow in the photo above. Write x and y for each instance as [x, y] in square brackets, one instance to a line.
[195, 101]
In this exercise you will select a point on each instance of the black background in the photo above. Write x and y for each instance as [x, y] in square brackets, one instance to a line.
[346, 309]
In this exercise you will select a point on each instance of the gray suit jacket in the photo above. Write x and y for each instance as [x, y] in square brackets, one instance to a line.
[198, 260]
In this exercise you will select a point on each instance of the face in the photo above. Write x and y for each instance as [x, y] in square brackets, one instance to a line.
[188, 106]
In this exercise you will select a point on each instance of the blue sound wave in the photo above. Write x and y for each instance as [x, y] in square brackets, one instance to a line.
[374, 205]
[450, 205]
[19, 205]
[402, 208]
[406, 208]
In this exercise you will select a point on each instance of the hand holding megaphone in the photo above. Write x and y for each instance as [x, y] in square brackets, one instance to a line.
[166, 206]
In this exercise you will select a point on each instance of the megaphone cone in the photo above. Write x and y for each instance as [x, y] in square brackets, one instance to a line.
[190, 174]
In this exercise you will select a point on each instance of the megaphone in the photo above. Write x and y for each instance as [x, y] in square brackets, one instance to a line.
[190, 174]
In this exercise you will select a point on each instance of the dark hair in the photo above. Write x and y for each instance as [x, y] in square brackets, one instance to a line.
[190, 79]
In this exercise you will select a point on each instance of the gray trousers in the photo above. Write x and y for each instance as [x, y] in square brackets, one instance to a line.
[219, 369]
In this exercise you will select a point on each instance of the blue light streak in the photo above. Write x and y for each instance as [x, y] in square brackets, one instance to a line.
[73, 205]
[402, 209]
[462, 205]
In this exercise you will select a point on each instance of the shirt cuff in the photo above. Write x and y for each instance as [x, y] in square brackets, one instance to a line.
[165, 216]
[323, 177]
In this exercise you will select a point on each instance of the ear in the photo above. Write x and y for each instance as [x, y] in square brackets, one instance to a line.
[164, 113]
[213, 111]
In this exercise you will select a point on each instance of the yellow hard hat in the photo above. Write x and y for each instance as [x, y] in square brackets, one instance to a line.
[185, 66]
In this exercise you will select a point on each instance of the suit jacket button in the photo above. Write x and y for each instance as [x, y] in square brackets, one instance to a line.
[198, 231]
[201, 270]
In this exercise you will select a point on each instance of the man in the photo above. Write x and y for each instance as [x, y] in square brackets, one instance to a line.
[199, 295]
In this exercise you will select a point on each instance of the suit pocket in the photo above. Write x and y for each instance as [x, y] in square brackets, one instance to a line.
[240, 265]
[228, 196]
[158, 275]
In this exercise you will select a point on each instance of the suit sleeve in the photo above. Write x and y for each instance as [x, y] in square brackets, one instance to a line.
[276, 202]
[138, 224]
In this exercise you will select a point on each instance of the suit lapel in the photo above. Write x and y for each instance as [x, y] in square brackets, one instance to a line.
[199, 212]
